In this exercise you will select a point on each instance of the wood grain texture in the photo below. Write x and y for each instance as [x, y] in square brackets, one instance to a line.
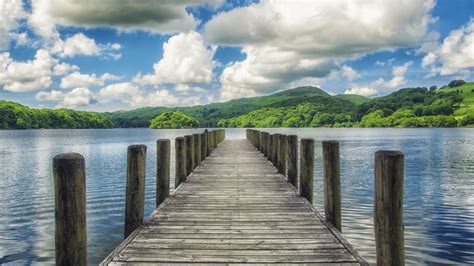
[135, 191]
[180, 161]
[332, 183]
[307, 169]
[163, 153]
[293, 160]
[70, 209]
[235, 208]
[189, 154]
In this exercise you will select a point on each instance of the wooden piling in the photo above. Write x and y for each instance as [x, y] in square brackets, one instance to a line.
[264, 143]
[307, 169]
[197, 149]
[332, 183]
[180, 161]
[189, 154]
[275, 148]
[388, 211]
[270, 147]
[208, 141]
[135, 195]
[293, 160]
[70, 209]
[282, 152]
[163, 150]
[203, 146]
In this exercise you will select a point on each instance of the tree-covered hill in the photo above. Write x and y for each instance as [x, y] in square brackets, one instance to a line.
[17, 116]
[173, 120]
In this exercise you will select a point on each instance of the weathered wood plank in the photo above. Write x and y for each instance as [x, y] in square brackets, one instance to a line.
[235, 208]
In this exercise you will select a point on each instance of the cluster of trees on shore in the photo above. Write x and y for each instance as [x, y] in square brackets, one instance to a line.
[173, 120]
[17, 116]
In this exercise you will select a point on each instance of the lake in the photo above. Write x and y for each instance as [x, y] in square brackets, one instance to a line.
[438, 196]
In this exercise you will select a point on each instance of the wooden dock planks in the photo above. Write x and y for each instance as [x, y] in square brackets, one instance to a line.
[235, 208]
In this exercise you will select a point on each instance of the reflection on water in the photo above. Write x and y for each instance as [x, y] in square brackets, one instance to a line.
[438, 198]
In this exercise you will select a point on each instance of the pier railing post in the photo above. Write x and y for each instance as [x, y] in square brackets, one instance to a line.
[275, 149]
[189, 154]
[135, 194]
[293, 160]
[307, 169]
[163, 150]
[332, 183]
[263, 149]
[388, 209]
[208, 141]
[282, 152]
[70, 204]
[197, 150]
[203, 146]
[180, 161]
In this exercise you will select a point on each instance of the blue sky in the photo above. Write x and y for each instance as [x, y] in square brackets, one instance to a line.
[112, 55]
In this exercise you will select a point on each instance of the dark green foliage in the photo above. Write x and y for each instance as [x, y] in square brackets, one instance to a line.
[173, 120]
[456, 83]
[17, 116]
[354, 98]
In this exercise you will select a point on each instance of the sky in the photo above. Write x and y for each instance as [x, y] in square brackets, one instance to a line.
[108, 55]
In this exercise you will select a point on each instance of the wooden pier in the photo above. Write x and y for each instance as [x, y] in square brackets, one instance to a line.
[233, 205]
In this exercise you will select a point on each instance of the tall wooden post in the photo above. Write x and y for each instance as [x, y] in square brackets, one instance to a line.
[332, 183]
[135, 196]
[293, 160]
[388, 213]
[275, 150]
[263, 149]
[197, 150]
[189, 154]
[208, 141]
[163, 150]
[270, 147]
[180, 161]
[70, 209]
[282, 151]
[307, 169]
[203, 146]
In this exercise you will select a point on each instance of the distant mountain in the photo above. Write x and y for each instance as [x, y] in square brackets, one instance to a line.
[354, 98]
[210, 114]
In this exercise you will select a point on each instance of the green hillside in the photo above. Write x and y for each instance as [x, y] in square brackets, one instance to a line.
[17, 116]
[354, 98]
[466, 91]
[209, 115]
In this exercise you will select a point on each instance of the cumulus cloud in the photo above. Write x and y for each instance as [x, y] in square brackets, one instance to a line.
[77, 79]
[26, 76]
[119, 90]
[454, 55]
[186, 59]
[282, 47]
[163, 16]
[78, 44]
[77, 97]
[349, 73]
[364, 91]
[398, 77]
[10, 13]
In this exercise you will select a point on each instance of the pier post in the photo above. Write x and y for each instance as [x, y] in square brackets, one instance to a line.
[203, 146]
[197, 150]
[135, 191]
[208, 139]
[214, 135]
[267, 146]
[293, 160]
[70, 209]
[189, 154]
[332, 183]
[388, 209]
[270, 147]
[282, 151]
[264, 143]
[275, 148]
[180, 161]
[307, 169]
[163, 150]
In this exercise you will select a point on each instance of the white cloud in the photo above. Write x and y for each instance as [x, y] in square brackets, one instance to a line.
[454, 55]
[186, 59]
[150, 15]
[398, 77]
[158, 98]
[282, 47]
[64, 68]
[20, 39]
[364, 91]
[26, 76]
[77, 79]
[119, 90]
[389, 62]
[10, 13]
[349, 73]
[77, 97]
[79, 44]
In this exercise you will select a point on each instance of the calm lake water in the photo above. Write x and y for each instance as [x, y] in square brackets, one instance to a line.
[438, 198]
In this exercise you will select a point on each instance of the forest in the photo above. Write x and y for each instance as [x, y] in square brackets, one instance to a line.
[449, 106]
[17, 116]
